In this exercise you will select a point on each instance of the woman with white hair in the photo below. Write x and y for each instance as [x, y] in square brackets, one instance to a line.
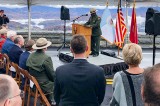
[127, 83]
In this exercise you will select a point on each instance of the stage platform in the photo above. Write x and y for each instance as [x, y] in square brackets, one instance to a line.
[111, 65]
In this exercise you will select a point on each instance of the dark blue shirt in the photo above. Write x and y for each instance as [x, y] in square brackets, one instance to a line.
[23, 58]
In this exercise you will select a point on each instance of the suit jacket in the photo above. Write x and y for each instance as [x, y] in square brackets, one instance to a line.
[79, 84]
[41, 67]
[14, 54]
[23, 58]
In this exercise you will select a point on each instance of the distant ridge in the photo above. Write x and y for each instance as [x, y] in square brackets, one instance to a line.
[45, 12]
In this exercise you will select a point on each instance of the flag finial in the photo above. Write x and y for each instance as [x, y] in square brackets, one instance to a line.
[107, 3]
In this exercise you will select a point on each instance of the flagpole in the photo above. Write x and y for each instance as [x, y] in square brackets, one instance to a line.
[118, 50]
[118, 10]
[107, 3]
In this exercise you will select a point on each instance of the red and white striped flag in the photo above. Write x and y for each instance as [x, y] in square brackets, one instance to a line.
[120, 28]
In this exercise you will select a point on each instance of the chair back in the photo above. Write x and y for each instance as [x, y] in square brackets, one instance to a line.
[18, 76]
[4, 62]
[38, 91]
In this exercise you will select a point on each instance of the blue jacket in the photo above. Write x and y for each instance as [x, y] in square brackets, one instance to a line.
[8, 44]
[23, 58]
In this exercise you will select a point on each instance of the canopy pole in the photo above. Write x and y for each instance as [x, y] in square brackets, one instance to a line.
[127, 40]
[29, 20]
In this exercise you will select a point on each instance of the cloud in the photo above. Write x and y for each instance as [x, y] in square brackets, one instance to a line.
[83, 6]
[12, 6]
[140, 20]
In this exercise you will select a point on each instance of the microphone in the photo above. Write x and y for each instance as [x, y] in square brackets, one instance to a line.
[85, 15]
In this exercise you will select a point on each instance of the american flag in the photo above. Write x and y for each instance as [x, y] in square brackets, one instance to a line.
[120, 28]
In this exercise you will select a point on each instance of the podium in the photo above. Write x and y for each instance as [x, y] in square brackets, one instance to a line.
[86, 32]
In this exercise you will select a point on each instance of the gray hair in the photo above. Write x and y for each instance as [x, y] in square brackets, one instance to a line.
[5, 87]
[18, 38]
[11, 33]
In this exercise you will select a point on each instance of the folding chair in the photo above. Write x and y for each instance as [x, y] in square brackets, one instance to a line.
[4, 63]
[28, 88]
[18, 76]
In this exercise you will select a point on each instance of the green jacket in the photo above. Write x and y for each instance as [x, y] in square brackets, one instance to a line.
[94, 22]
[41, 67]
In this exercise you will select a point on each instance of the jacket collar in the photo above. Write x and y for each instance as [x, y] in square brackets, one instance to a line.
[79, 61]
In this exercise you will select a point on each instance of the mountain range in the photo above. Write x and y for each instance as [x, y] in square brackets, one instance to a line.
[48, 18]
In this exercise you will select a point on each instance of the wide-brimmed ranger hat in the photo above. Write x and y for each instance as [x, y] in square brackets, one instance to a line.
[92, 10]
[41, 43]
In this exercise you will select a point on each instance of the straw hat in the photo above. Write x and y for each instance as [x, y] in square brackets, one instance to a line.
[3, 31]
[92, 10]
[41, 43]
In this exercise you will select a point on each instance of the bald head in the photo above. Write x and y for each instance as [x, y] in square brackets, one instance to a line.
[151, 85]
[8, 88]
[6, 83]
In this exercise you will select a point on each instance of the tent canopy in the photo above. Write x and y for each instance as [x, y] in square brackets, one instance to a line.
[76, 2]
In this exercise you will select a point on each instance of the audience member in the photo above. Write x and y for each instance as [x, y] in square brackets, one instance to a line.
[10, 94]
[3, 18]
[79, 83]
[15, 52]
[9, 42]
[4, 26]
[24, 56]
[151, 86]
[127, 83]
[3, 34]
[41, 67]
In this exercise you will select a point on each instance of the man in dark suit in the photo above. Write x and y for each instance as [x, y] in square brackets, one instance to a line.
[16, 50]
[79, 83]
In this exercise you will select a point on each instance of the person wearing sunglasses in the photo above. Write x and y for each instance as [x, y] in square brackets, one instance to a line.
[10, 94]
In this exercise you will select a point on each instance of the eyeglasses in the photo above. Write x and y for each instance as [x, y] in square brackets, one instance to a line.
[22, 94]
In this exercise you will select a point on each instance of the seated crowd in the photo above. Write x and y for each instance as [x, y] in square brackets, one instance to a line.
[78, 83]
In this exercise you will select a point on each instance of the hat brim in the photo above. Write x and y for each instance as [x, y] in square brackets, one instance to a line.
[48, 44]
[93, 11]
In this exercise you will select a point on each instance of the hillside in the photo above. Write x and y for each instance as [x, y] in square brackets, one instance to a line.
[48, 18]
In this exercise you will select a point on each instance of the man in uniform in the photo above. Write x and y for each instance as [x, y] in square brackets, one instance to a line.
[94, 22]
[41, 67]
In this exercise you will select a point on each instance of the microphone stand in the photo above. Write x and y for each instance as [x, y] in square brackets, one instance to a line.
[77, 18]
